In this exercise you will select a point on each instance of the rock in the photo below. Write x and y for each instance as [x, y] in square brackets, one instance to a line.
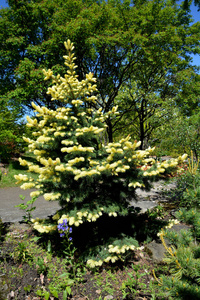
[148, 200]
[178, 227]
[20, 227]
[108, 297]
[144, 205]
[156, 251]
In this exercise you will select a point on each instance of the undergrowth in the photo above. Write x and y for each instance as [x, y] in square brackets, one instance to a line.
[182, 246]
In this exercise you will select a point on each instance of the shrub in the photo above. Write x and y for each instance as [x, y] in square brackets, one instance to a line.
[9, 145]
[11, 131]
[179, 134]
[188, 190]
[183, 254]
[93, 182]
[183, 259]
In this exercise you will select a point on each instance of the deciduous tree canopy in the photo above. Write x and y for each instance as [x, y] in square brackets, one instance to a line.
[149, 42]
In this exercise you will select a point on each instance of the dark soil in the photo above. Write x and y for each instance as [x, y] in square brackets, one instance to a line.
[21, 280]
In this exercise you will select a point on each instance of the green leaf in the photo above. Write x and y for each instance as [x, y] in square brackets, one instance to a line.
[39, 292]
[46, 295]
[54, 293]
[65, 295]
[68, 290]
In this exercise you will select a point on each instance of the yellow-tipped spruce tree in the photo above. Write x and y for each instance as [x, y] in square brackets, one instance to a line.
[90, 180]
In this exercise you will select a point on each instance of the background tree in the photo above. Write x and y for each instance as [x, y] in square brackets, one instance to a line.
[145, 107]
[11, 131]
[178, 134]
[186, 4]
[143, 114]
[114, 40]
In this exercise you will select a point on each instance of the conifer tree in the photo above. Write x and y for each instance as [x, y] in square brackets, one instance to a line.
[88, 178]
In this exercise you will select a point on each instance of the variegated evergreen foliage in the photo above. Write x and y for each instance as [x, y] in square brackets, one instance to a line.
[88, 178]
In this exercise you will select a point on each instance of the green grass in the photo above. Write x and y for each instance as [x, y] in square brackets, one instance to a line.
[14, 168]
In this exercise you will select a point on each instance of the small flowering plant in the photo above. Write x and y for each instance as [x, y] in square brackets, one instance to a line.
[69, 251]
[64, 229]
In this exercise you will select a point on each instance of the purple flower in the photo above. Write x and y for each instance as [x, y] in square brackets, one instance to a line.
[64, 230]
[60, 227]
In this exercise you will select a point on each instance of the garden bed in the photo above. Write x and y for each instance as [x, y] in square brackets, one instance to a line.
[33, 267]
[28, 266]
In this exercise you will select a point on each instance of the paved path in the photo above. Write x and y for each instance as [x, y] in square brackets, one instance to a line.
[9, 197]
[148, 200]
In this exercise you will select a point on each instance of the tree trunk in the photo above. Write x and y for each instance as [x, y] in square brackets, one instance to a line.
[109, 130]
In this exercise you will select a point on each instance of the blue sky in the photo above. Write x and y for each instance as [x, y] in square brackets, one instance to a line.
[194, 12]
[196, 17]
